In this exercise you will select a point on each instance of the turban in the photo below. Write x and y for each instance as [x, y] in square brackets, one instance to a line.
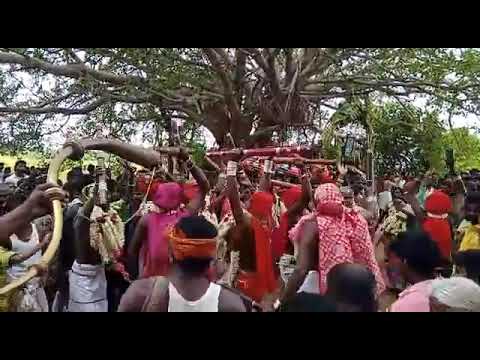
[261, 204]
[184, 248]
[291, 196]
[438, 203]
[168, 196]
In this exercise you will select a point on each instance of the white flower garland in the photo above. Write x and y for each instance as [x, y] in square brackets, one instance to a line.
[106, 234]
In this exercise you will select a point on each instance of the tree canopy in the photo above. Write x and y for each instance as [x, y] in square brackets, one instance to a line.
[408, 139]
[247, 92]
[466, 148]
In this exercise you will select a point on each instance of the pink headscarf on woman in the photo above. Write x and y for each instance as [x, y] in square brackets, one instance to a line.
[168, 196]
[343, 235]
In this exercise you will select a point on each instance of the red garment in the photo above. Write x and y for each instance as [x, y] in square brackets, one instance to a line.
[141, 184]
[440, 232]
[280, 234]
[343, 236]
[280, 238]
[261, 282]
[261, 204]
[190, 190]
[438, 205]
[291, 196]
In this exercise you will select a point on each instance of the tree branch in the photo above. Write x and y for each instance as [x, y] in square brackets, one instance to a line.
[267, 69]
[74, 56]
[226, 82]
[54, 110]
[75, 71]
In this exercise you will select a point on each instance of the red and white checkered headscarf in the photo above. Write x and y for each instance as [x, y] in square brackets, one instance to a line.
[343, 235]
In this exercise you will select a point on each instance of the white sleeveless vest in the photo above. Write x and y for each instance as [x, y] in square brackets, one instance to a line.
[207, 303]
[22, 247]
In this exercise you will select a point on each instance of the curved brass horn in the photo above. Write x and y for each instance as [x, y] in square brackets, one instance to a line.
[137, 154]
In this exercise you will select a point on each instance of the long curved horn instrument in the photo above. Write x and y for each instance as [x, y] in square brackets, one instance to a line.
[75, 150]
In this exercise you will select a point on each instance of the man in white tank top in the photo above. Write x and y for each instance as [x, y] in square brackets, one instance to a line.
[16, 225]
[187, 287]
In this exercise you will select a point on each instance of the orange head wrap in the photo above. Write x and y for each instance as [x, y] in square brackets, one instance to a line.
[184, 248]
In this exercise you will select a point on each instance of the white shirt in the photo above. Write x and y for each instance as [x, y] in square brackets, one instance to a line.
[13, 179]
[23, 247]
[384, 200]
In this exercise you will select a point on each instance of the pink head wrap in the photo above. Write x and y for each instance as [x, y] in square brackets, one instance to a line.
[168, 196]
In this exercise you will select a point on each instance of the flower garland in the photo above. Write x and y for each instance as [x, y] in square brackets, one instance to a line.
[395, 222]
[107, 236]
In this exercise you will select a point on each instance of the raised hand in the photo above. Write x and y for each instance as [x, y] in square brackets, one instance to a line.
[40, 200]
[342, 170]
[46, 240]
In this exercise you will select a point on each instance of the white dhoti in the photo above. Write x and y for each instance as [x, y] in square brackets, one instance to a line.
[88, 288]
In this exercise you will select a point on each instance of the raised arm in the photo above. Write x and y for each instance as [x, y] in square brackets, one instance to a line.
[265, 181]
[411, 190]
[139, 237]
[218, 201]
[233, 195]
[297, 208]
[342, 172]
[38, 204]
[196, 204]
[213, 164]
[306, 260]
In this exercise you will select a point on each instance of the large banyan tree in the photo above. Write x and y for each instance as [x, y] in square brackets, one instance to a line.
[247, 92]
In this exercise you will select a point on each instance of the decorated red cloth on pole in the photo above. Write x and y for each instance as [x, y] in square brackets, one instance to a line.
[271, 151]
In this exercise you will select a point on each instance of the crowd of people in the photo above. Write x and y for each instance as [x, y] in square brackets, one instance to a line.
[250, 236]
